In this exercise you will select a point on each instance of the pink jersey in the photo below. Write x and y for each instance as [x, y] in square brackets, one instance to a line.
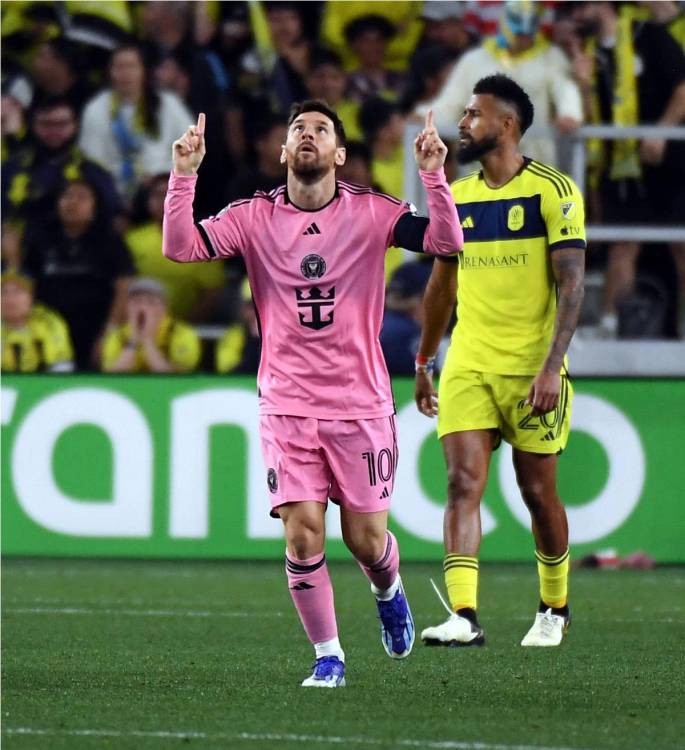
[318, 284]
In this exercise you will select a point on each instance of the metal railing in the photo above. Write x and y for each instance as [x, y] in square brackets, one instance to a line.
[576, 167]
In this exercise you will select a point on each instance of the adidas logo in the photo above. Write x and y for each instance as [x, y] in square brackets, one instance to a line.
[548, 436]
[468, 223]
[312, 229]
[302, 586]
[385, 493]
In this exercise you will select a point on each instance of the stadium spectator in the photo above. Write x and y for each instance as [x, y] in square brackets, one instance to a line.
[192, 293]
[197, 76]
[368, 37]
[81, 268]
[443, 27]
[403, 15]
[17, 93]
[38, 171]
[403, 317]
[670, 16]
[54, 68]
[129, 127]
[521, 51]
[151, 340]
[637, 181]
[288, 67]
[383, 127]
[326, 80]
[239, 349]
[428, 70]
[267, 172]
[483, 17]
[34, 338]
[357, 166]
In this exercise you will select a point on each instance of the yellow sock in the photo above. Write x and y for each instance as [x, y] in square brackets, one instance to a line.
[461, 579]
[553, 572]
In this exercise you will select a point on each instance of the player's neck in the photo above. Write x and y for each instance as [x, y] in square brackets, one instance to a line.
[313, 195]
[500, 165]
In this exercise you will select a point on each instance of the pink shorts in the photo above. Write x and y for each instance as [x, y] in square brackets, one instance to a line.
[351, 462]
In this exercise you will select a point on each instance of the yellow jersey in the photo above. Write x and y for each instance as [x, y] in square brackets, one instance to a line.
[42, 345]
[506, 296]
[177, 341]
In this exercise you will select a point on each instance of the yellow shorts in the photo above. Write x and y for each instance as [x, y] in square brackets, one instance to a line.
[471, 400]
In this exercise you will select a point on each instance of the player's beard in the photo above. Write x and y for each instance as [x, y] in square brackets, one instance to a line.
[308, 171]
[473, 150]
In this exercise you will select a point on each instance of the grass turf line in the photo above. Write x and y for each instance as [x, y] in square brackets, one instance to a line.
[215, 649]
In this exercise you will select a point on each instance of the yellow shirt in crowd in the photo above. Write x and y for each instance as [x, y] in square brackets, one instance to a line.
[43, 344]
[184, 282]
[177, 341]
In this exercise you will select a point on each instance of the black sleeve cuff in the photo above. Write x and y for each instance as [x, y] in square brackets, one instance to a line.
[206, 240]
[578, 244]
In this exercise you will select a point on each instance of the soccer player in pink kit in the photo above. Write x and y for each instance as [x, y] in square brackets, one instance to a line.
[314, 251]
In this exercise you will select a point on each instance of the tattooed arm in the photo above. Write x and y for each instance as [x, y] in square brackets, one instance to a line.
[568, 266]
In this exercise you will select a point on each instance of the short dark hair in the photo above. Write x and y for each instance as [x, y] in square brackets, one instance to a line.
[370, 22]
[317, 105]
[46, 103]
[358, 150]
[375, 114]
[321, 56]
[504, 88]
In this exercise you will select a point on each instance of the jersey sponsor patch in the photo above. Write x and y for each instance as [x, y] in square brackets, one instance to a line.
[568, 210]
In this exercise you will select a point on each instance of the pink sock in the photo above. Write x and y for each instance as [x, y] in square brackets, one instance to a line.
[312, 593]
[383, 573]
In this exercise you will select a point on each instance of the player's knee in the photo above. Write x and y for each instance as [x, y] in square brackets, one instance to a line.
[536, 496]
[304, 540]
[367, 546]
[464, 486]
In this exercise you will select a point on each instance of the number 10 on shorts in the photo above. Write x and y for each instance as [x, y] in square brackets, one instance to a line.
[381, 466]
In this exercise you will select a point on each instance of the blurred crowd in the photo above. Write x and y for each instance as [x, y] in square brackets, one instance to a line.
[93, 95]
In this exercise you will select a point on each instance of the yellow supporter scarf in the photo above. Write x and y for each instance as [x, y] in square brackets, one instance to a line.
[625, 160]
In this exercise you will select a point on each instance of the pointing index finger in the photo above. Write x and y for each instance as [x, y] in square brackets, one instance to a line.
[201, 123]
[429, 120]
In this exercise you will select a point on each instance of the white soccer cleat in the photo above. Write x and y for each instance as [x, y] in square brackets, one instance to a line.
[455, 631]
[548, 629]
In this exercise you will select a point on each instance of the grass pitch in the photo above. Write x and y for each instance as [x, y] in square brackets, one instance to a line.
[156, 655]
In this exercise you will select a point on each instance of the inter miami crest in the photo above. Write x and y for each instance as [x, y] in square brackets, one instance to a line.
[272, 480]
[313, 266]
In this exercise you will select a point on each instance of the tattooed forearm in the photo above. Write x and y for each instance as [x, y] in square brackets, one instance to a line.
[568, 266]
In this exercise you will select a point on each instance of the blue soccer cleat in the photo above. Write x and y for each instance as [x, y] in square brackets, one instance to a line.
[397, 624]
[329, 672]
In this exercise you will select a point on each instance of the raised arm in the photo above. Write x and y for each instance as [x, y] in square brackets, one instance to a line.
[438, 304]
[442, 234]
[183, 240]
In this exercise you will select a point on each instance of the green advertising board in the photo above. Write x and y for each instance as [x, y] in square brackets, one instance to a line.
[171, 467]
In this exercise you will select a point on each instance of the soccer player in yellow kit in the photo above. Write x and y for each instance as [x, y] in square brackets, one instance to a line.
[520, 289]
